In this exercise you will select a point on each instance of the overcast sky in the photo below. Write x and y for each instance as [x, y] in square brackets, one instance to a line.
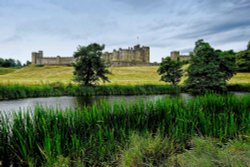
[58, 26]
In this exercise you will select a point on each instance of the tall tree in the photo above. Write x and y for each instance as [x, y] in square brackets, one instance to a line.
[89, 66]
[170, 71]
[243, 59]
[248, 46]
[228, 63]
[209, 69]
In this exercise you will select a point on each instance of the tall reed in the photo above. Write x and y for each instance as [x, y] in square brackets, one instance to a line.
[96, 134]
[58, 89]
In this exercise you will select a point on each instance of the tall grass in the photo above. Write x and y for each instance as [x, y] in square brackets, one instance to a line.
[59, 89]
[96, 134]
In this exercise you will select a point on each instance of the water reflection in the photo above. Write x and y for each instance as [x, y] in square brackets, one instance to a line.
[66, 102]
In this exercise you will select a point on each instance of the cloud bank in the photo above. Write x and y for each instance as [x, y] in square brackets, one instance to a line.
[59, 26]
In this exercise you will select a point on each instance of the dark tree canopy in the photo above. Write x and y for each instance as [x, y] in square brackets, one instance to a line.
[228, 63]
[170, 71]
[243, 59]
[248, 46]
[10, 63]
[209, 69]
[89, 67]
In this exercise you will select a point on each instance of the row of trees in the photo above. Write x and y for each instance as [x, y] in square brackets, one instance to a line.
[243, 59]
[10, 63]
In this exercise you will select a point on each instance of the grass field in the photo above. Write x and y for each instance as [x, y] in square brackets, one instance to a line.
[120, 75]
[4, 71]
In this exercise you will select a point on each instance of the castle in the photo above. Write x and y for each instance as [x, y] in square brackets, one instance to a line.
[175, 55]
[136, 56]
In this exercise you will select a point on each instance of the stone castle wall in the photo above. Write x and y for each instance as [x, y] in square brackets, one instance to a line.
[135, 56]
[38, 59]
[175, 55]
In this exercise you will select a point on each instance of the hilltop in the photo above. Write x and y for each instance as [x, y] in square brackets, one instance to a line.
[34, 75]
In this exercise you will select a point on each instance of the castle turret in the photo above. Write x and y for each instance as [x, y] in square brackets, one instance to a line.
[33, 57]
[146, 56]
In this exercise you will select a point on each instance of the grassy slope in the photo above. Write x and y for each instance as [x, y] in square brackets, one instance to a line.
[120, 75]
[4, 71]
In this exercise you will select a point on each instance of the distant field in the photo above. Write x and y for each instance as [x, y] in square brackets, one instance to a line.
[4, 71]
[120, 75]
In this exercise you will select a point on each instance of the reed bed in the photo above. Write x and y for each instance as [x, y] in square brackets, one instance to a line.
[59, 89]
[95, 135]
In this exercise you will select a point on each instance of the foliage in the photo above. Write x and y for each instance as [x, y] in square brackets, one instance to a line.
[96, 134]
[243, 60]
[10, 63]
[210, 152]
[170, 71]
[59, 89]
[209, 69]
[147, 150]
[89, 67]
[227, 63]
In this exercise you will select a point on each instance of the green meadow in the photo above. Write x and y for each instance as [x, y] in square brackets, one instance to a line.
[33, 75]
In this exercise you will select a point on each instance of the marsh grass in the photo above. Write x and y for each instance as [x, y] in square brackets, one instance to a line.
[148, 150]
[95, 135]
[59, 89]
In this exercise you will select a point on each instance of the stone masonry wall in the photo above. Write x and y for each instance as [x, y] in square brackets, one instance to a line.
[175, 55]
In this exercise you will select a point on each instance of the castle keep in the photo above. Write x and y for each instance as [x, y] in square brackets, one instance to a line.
[135, 56]
[175, 55]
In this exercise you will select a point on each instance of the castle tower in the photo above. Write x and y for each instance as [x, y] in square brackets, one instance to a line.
[34, 57]
[175, 55]
[37, 57]
[146, 56]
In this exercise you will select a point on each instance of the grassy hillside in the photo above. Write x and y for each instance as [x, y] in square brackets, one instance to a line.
[120, 75]
[4, 71]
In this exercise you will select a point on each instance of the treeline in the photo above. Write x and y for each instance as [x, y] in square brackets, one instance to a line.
[10, 63]
[243, 59]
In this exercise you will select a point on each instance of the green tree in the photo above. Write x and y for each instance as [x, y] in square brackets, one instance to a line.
[170, 71]
[89, 66]
[243, 59]
[209, 69]
[228, 63]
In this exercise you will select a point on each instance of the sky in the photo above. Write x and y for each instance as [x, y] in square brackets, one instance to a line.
[58, 27]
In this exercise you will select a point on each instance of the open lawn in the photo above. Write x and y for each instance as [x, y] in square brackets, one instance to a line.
[120, 75]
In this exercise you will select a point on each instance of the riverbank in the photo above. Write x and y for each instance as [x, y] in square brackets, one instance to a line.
[107, 135]
[8, 92]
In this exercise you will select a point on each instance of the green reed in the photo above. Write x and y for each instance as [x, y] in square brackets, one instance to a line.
[58, 89]
[96, 134]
